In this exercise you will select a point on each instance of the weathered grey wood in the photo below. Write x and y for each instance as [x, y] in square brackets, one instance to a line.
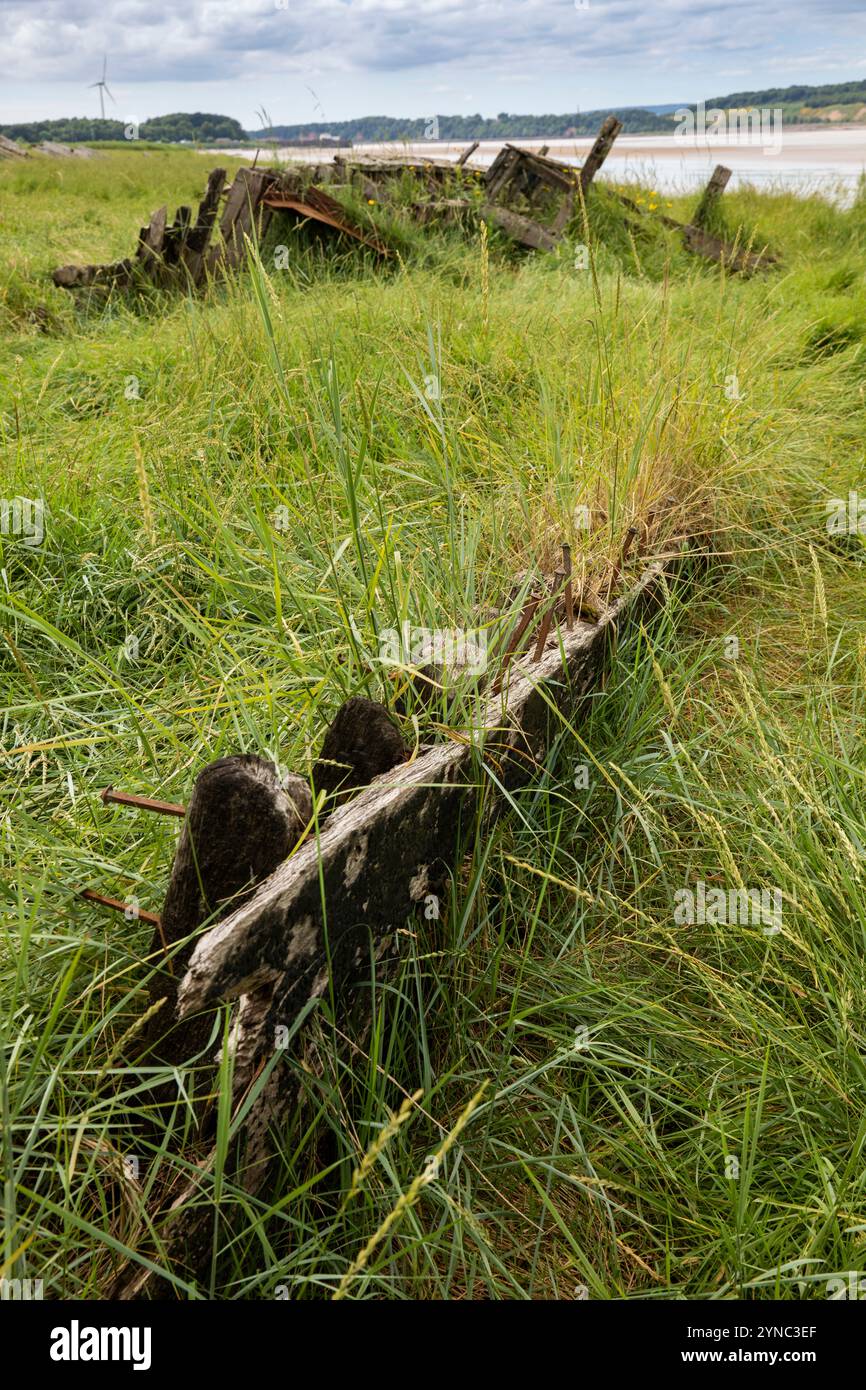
[704, 244]
[150, 242]
[314, 925]
[241, 822]
[470, 150]
[174, 240]
[374, 859]
[516, 171]
[501, 171]
[193, 253]
[711, 195]
[520, 228]
[239, 219]
[362, 743]
[734, 258]
[608, 131]
[117, 275]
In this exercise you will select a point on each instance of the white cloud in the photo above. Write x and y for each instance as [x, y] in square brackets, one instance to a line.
[549, 51]
[153, 40]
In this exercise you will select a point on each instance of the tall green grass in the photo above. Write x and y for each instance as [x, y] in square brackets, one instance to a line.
[242, 491]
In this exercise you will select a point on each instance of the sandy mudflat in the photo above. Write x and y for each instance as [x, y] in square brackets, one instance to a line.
[803, 158]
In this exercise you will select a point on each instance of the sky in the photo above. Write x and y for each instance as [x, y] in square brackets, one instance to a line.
[308, 60]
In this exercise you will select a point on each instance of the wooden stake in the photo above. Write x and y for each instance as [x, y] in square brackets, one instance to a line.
[608, 131]
[711, 195]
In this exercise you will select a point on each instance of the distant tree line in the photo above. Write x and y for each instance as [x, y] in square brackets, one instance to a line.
[202, 127]
[476, 127]
[195, 126]
[830, 94]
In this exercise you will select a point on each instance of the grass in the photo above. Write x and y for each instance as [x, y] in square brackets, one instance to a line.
[563, 1089]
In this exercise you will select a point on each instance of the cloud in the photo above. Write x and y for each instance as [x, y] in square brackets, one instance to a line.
[223, 40]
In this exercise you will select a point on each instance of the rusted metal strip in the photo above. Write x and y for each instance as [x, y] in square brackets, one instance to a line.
[142, 803]
[319, 207]
[119, 906]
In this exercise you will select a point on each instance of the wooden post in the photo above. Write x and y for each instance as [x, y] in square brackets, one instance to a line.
[150, 242]
[240, 215]
[193, 252]
[608, 131]
[470, 149]
[240, 825]
[711, 195]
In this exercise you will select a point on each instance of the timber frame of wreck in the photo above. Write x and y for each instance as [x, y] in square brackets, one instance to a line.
[531, 198]
[286, 891]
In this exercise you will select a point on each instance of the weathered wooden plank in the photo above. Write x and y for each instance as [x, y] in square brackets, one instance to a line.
[318, 921]
[374, 860]
[193, 253]
[470, 150]
[521, 228]
[711, 195]
[608, 131]
[74, 277]
[735, 258]
[241, 822]
[501, 171]
[703, 243]
[239, 215]
[150, 242]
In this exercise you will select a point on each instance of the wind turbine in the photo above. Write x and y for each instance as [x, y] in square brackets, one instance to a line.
[103, 87]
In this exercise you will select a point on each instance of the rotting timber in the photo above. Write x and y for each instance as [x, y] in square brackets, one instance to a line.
[531, 198]
[313, 929]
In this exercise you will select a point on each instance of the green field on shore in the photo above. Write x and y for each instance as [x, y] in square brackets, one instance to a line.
[226, 497]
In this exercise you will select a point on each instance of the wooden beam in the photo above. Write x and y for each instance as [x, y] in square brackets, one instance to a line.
[608, 131]
[711, 195]
[242, 820]
[519, 228]
[470, 150]
[705, 244]
[313, 928]
[193, 254]
[239, 218]
[376, 858]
